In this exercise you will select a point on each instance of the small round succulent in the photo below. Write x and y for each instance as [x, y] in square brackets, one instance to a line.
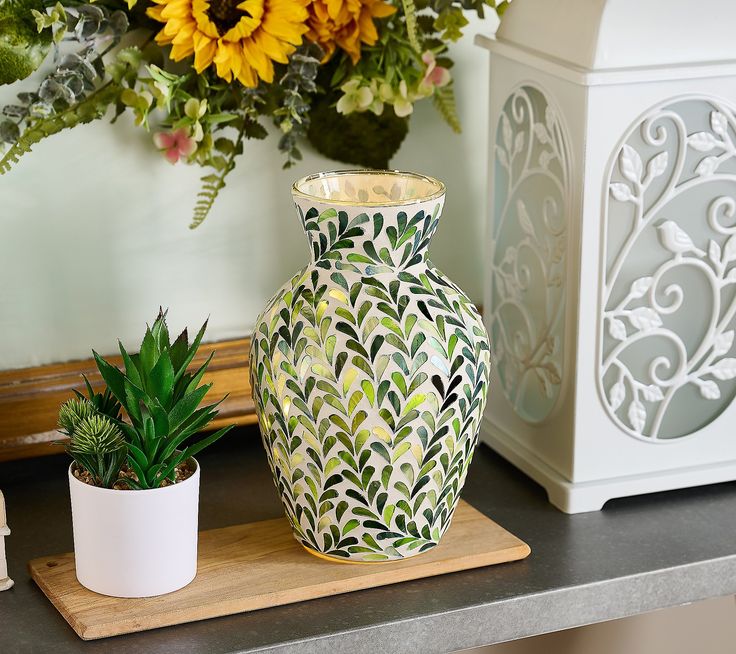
[96, 435]
[95, 442]
[74, 411]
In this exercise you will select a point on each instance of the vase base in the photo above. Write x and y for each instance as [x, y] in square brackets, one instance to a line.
[336, 559]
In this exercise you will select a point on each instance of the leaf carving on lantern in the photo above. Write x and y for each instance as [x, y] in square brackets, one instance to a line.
[617, 329]
[702, 141]
[502, 157]
[729, 251]
[657, 165]
[718, 123]
[637, 416]
[714, 253]
[553, 372]
[639, 287]
[550, 117]
[709, 390]
[540, 131]
[524, 220]
[723, 342]
[621, 192]
[707, 166]
[644, 319]
[506, 132]
[724, 369]
[652, 393]
[519, 142]
[617, 395]
[630, 164]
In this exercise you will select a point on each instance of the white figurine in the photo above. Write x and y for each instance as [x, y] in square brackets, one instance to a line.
[5, 581]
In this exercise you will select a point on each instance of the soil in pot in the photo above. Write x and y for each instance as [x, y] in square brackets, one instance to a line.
[182, 472]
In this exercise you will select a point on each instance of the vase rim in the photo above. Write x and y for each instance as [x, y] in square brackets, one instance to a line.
[436, 188]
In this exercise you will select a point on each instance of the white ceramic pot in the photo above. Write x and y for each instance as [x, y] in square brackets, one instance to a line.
[137, 543]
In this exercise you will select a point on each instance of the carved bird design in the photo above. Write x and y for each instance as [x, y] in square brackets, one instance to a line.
[676, 240]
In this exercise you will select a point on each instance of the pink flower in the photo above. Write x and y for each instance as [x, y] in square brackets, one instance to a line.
[176, 144]
[435, 75]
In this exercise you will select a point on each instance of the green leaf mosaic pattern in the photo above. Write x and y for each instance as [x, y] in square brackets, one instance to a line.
[370, 371]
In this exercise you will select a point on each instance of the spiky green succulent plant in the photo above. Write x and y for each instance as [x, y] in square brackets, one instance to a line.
[162, 400]
[72, 412]
[105, 402]
[95, 442]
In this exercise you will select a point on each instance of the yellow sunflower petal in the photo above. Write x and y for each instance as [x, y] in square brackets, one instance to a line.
[381, 10]
[277, 50]
[181, 51]
[247, 76]
[258, 60]
[204, 52]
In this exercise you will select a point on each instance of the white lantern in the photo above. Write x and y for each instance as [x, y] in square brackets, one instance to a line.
[611, 278]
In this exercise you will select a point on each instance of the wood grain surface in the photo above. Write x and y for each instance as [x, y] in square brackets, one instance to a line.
[30, 397]
[258, 565]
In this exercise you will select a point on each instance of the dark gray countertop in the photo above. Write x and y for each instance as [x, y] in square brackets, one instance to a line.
[637, 555]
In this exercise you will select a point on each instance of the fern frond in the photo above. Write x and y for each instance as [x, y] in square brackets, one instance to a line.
[211, 187]
[212, 184]
[89, 109]
[444, 102]
[410, 14]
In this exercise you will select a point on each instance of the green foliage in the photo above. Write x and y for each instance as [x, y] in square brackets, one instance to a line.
[95, 74]
[444, 101]
[95, 443]
[450, 23]
[22, 46]
[162, 400]
[359, 138]
[86, 111]
[104, 403]
[410, 16]
[213, 183]
[74, 411]
[296, 86]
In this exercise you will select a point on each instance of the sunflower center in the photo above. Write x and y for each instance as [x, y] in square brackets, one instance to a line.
[225, 14]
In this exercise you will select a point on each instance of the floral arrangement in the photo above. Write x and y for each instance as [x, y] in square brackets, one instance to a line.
[161, 401]
[204, 75]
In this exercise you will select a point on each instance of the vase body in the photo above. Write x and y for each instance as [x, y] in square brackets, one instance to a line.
[370, 371]
[135, 543]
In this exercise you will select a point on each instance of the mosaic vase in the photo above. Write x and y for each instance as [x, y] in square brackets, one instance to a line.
[370, 370]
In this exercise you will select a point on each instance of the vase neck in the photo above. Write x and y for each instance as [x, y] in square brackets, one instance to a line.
[370, 239]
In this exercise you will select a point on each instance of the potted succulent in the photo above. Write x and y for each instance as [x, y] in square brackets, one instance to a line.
[134, 481]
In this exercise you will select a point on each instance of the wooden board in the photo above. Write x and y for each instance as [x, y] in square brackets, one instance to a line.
[30, 397]
[258, 565]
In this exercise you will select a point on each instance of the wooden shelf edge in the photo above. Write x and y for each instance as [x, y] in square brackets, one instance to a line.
[30, 397]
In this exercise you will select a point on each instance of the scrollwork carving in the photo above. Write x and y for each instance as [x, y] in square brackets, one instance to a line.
[529, 252]
[667, 362]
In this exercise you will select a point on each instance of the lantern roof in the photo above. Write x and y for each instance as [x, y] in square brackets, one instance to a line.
[610, 34]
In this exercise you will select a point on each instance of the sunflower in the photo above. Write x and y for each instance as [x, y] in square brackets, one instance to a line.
[345, 24]
[241, 38]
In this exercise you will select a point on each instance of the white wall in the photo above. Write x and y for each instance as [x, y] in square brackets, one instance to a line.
[94, 228]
